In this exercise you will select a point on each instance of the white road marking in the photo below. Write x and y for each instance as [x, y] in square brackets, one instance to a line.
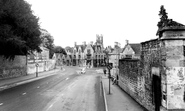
[53, 103]
[50, 106]
[67, 78]
[23, 93]
[1, 104]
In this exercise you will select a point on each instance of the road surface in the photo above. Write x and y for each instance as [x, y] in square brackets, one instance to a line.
[65, 91]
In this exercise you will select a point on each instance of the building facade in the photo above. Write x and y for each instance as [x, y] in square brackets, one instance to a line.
[131, 50]
[89, 54]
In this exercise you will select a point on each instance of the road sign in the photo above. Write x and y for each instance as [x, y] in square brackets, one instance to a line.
[37, 64]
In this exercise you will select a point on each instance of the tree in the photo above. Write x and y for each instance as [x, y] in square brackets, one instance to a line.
[164, 18]
[19, 29]
[59, 49]
[165, 22]
[47, 41]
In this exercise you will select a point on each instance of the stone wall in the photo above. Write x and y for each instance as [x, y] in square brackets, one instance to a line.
[42, 66]
[135, 76]
[12, 68]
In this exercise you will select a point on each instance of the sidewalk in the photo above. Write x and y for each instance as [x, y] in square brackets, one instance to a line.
[118, 100]
[12, 82]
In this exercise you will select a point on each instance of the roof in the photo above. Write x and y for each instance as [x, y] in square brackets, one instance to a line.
[136, 48]
[70, 49]
[82, 47]
[58, 55]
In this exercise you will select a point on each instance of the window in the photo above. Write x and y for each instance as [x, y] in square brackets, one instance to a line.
[88, 51]
[128, 56]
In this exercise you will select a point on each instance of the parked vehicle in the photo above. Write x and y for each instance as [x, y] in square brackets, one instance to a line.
[83, 71]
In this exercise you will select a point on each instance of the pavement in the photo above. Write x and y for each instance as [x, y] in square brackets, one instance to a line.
[12, 82]
[118, 100]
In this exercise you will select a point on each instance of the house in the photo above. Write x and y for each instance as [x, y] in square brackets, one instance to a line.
[131, 50]
[77, 54]
[58, 58]
[38, 56]
[99, 54]
[68, 57]
[115, 54]
[89, 54]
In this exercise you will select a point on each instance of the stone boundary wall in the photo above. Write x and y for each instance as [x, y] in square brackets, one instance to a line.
[43, 66]
[135, 76]
[12, 68]
[132, 81]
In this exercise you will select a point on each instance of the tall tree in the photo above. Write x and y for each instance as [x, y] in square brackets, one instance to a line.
[19, 29]
[47, 41]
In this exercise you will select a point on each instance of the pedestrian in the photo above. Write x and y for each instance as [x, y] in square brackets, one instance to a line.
[104, 70]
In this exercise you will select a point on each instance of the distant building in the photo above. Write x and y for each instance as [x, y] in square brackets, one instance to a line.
[68, 57]
[115, 55]
[89, 54]
[131, 50]
[39, 56]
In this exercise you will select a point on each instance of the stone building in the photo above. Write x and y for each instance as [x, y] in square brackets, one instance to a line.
[89, 54]
[68, 57]
[78, 57]
[131, 50]
[98, 51]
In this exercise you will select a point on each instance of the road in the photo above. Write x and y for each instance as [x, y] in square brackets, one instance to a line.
[64, 91]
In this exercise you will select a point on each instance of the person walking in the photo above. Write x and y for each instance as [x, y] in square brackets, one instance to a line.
[104, 70]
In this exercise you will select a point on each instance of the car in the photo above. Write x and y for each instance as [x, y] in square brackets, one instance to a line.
[83, 71]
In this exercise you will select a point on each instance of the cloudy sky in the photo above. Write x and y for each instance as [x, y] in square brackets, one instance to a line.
[117, 20]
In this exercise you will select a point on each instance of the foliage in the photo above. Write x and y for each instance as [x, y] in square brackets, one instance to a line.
[59, 49]
[47, 41]
[19, 29]
[165, 22]
[164, 17]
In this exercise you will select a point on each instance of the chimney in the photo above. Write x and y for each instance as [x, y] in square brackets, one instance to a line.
[127, 42]
[101, 38]
[84, 43]
[115, 44]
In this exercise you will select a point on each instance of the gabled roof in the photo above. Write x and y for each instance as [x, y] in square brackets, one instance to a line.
[58, 55]
[136, 48]
[70, 49]
[82, 47]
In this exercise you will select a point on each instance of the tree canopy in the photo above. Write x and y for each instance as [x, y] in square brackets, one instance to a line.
[19, 29]
[59, 49]
[47, 41]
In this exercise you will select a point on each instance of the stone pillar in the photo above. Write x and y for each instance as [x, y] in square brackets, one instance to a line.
[173, 80]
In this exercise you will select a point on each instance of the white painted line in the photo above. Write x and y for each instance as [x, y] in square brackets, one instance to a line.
[1, 104]
[67, 78]
[23, 93]
[50, 106]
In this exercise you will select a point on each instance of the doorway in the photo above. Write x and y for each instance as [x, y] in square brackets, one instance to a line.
[156, 86]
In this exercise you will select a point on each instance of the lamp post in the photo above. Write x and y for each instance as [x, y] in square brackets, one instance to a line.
[109, 67]
[37, 69]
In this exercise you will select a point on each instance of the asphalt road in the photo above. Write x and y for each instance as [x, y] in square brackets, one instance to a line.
[65, 91]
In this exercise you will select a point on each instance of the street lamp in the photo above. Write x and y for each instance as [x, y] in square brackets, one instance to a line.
[37, 69]
[109, 67]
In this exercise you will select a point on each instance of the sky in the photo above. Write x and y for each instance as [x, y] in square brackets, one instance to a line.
[70, 21]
